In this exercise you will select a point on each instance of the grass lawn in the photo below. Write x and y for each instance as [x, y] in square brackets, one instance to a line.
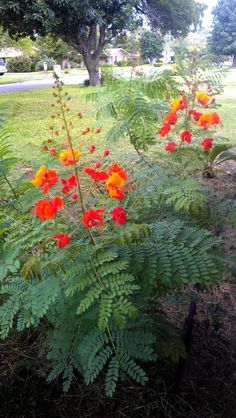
[29, 118]
[29, 114]
[228, 107]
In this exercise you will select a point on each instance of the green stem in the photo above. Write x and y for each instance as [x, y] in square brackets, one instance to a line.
[12, 188]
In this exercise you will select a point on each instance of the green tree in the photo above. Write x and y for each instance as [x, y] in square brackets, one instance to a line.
[128, 41]
[87, 25]
[52, 47]
[151, 46]
[223, 37]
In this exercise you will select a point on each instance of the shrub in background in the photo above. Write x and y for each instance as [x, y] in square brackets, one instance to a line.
[39, 66]
[21, 64]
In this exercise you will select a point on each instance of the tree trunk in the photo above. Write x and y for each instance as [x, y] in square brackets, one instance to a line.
[234, 61]
[94, 76]
[93, 70]
[91, 48]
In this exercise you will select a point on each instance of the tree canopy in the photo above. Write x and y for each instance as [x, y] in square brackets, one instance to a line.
[151, 45]
[223, 38]
[87, 25]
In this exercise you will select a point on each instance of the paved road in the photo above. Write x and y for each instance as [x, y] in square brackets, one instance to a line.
[38, 84]
[68, 79]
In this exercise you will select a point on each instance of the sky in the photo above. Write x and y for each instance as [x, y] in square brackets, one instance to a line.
[208, 16]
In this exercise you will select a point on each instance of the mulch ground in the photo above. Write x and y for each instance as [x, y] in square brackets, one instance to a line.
[208, 383]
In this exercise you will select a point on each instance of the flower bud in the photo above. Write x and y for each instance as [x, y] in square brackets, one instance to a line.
[74, 196]
[98, 164]
[92, 148]
[53, 151]
[106, 152]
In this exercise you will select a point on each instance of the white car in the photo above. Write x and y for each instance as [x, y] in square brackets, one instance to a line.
[3, 68]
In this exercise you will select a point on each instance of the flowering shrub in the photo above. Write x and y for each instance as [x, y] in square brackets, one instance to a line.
[185, 124]
[94, 255]
[190, 127]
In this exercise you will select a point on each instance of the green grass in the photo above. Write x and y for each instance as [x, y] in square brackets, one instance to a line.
[7, 80]
[227, 110]
[29, 116]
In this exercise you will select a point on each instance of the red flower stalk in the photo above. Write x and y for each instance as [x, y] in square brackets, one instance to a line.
[92, 218]
[61, 239]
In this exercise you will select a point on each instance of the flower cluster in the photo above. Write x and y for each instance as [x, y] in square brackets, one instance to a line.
[45, 178]
[84, 184]
[184, 112]
[47, 209]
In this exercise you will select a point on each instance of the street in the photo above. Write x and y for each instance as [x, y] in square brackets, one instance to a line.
[32, 81]
[46, 81]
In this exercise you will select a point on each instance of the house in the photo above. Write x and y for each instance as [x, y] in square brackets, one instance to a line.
[7, 53]
[168, 51]
[114, 55]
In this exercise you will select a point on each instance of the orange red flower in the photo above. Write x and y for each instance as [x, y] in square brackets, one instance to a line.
[186, 136]
[96, 175]
[66, 157]
[47, 209]
[61, 239]
[195, 115]
[207, 119]
[171, 146]
[45, 178]
[207, 143]
[179, 104]
[69, 184]
[119, 215]
[171, 118]
[115, 182]
[216, 118]
[92, 218]
[202, 98]
[165, 129]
